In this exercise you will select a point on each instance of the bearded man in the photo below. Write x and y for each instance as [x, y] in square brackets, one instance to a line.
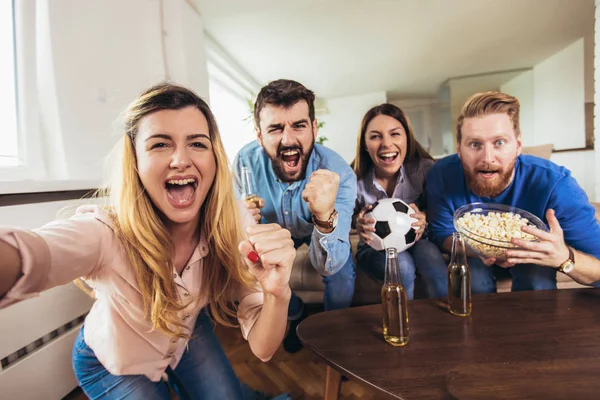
[305, 187]
[490, 168]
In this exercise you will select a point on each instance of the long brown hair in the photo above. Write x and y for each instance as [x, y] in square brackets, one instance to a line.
[145, 238]
[414, 151]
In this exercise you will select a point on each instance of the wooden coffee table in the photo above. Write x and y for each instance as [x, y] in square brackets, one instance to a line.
[519, 345]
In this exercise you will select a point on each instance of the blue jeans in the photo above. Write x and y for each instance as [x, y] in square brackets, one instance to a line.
[483, 278]
[524, 276]
[339, 287]
[204, 372]
[423, 257]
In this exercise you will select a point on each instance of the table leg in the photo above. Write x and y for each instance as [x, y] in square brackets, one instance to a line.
[333, 380]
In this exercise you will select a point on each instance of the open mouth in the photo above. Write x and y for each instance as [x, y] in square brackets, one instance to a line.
[389, 157]
[488, 174]
[290, 158]
[181, 191]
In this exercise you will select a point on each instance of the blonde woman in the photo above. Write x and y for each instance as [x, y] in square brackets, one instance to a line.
[168, 252]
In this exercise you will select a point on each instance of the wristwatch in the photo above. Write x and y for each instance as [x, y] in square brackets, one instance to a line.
[330, 224]
[569, 264]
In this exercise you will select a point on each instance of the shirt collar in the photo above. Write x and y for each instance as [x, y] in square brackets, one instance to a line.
[371, 178]
[200, 251]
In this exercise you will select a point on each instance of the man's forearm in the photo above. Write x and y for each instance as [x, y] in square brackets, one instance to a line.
[10, 267]
[328, 254]
[587, 268]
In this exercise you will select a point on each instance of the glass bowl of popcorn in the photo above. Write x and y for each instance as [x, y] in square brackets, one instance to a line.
[487, 228]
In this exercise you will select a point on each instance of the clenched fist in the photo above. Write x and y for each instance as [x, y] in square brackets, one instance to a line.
[320, 193]
[269, 253]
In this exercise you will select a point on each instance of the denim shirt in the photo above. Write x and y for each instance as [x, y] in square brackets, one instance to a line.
[284, 205]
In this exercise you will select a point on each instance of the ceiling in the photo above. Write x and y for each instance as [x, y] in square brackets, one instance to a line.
[404, 47]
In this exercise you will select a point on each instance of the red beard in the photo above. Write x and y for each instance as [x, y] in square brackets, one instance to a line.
[491, 187]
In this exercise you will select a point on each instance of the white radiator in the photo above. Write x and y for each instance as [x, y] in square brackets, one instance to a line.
[37, 335]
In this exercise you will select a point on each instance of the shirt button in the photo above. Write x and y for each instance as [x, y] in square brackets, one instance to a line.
[286, 213]
[175, 275]
[171, 352]
[188, 267]
[186, 294]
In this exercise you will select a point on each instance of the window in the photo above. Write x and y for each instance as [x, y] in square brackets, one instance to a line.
[9, 155]
[230, 105]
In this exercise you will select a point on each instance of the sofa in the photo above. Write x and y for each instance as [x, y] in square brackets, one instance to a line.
[307, 283]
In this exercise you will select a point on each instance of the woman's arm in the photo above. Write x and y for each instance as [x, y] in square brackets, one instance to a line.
[10, 267]
[269, 253]
[268, 331]
[53, 255]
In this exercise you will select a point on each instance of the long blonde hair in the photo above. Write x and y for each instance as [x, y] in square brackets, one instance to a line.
[143, 234]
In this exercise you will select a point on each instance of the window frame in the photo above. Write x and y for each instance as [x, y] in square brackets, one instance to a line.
[30, 155]
[17, 157]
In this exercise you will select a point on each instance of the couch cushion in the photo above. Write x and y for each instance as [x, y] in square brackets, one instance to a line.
[542, 151]
[307, 283]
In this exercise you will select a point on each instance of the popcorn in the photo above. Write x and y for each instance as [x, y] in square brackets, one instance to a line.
[485, 233]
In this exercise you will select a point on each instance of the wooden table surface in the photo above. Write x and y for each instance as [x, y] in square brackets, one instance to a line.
[519, 345]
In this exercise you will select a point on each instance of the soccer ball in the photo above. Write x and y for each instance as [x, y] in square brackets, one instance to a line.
[393, 225]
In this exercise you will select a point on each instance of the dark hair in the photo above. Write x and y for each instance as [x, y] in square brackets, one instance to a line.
[489, 103]
[286, 93]
[414, 150]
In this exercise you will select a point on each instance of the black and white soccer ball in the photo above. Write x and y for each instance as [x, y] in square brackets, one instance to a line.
[393, 225]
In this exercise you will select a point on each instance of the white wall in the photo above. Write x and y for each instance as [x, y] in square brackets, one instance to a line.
[559, 97]
[94, 57]
[582, 167]
[552, 97]
[462, 88]
[522, 88]
[185, 46]
[588, 60]
[342, 122]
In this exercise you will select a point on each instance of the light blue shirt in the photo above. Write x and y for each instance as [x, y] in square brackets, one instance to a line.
[284, 205]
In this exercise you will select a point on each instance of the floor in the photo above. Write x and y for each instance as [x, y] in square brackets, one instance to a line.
[302, 374]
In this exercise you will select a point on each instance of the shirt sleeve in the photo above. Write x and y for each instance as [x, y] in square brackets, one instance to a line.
[576, 216]
[439, 210]
[237, 173]
[249, 308]
[329, 252]
[55, 254]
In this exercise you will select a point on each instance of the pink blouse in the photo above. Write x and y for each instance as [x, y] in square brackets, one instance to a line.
[123, 340]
